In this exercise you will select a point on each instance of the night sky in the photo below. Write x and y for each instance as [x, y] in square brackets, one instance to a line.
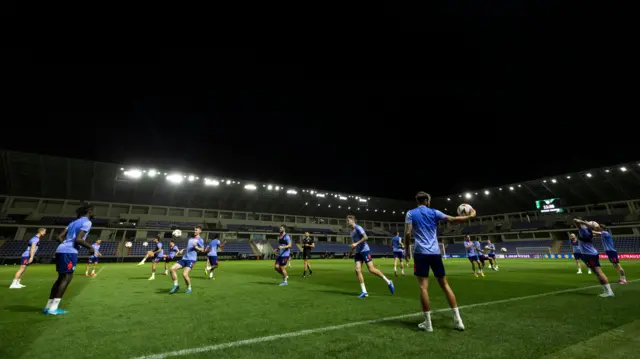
[437, 110]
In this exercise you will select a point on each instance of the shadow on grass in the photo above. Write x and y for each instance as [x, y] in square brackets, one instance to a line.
[24, 309]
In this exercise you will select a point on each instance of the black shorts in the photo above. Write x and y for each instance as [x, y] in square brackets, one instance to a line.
[306, 254]
[577, 256]
[591, 261]
[482, 258]
[422, 263]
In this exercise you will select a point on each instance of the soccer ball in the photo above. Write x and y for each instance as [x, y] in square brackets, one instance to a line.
[177, 233]
[144, 244]
[593, 224]
[504, 250]
[128, 244]
[464, 209]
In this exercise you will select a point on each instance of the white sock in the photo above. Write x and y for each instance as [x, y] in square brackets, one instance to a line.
[427, 317]
[395, 269]
[49, 302]
[14, 282]
[54, 304]
[93, 271]
[19, 280]
[456, 313]
[211, 275]
[153, 275]
[623, 277]
[607, 288]
[175, 282]
[286, 278]
[86, 272]
[363, 288]
[189, 287]
[386, 280]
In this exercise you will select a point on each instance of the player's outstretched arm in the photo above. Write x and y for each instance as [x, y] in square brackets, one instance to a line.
[459, 219]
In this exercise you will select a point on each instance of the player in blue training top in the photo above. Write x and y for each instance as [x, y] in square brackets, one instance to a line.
[480, 254]
[493, 264]
[94, 258]
[422, 226]
[71, 239]
[212, 256]
[398, 253]
[158, 254]
[590, 253]
[284, 252]
[610, 250]
[472, 255]
[27, 258]
[173, 251]
[363, 254]
[189, 258]
[576, 252]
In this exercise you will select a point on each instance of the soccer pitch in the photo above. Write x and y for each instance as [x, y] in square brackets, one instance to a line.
[529, 309]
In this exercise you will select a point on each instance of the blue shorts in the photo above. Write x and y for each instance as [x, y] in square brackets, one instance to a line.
[24, 261]
[591, 260]
[168, 259]
[398, 255]
[213, 260]
[282, 261]
[157, 259]
[66, 262]
[577, 256]
[473, 258]
[491, 255]
[186, 263]
[93, 259]
[363, 257]
[482, 258]
[613, 257]
[422, 263]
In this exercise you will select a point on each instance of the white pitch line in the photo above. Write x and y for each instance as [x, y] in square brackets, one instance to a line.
[99, 271]
[210, 348]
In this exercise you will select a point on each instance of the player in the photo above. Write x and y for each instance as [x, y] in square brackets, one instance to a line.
[576, 252]
[472, 255]
[421, 225]
[27, 258]
[94, 258]
[173, 251]
[398, 253]
[493, 264]
[284, 252]
[363, 254]
[307, 246]
[195, 244]
[610, 250]
[212, 256]
[157, 254]
[480, 253]
[67, 256]
[590, 254]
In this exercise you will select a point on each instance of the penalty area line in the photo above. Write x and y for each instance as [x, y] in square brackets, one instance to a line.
[210, 348]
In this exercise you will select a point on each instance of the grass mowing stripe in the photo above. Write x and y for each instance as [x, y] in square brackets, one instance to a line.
[191, 351]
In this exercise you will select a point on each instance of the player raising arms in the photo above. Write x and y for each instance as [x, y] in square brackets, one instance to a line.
[94, 258]
[27, 258]
[610, 250]
[590, 253]
[363, 254]
[492, 255]
[471, 254]
[212, 256]
[195, 244]
[398, 253]
[284, 252]
[576, 252]
[173, 251]
[67, 256]
[307, 245]
[422, 226]
[157, 254]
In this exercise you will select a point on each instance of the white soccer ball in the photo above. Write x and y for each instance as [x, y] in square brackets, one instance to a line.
[593, 224]
[128, 244]
[144, 244]
[504, 250]
[177, 233]
[464, 209]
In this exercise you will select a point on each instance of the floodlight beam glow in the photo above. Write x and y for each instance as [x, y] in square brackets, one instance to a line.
[134, 173]
[250, 187]
[175, 178]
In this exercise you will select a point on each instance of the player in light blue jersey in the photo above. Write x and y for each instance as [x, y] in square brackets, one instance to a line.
[158, 254]
[363, 254]
[610, 250]
[94, 258]
[27, 258]
[422, 226]
[576, 252]
[491, 249]
[171, 257]
[398, 253]
[212, 256]
[189, 258]
[590, 253]
[480, 254]
[284, 253]
[70, 240]
[472, 255]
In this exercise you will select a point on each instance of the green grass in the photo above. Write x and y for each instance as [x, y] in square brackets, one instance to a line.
[120, 314]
